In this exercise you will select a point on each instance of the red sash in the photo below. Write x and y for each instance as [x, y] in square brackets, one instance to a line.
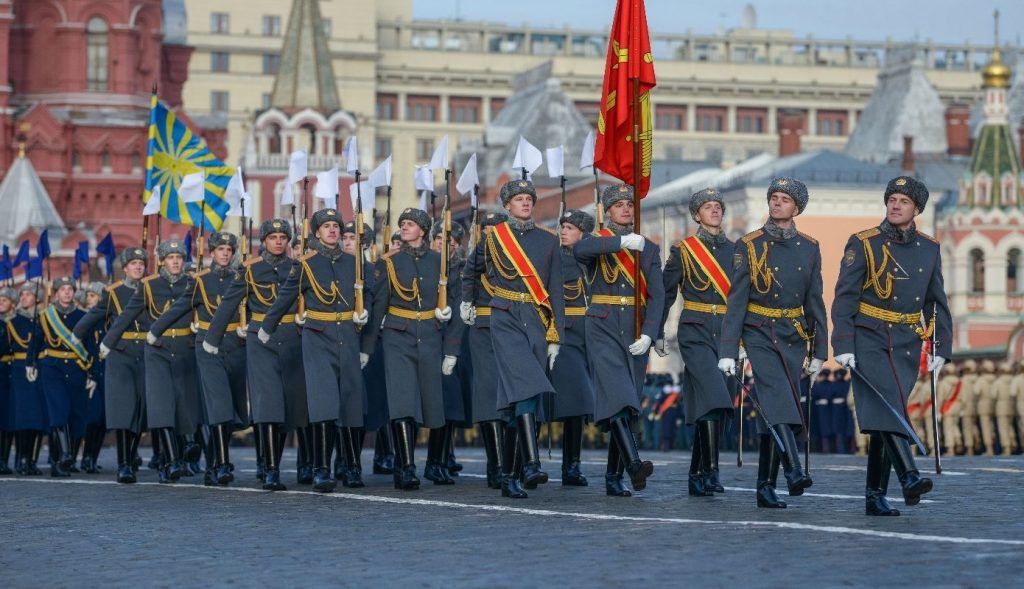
[952, 399]
[707, 262]
[524, 267]
[624, 260]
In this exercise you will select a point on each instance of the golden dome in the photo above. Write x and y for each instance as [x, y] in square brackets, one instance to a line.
[996, 74]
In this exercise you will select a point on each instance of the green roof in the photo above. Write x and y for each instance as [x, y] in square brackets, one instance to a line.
[995, 154]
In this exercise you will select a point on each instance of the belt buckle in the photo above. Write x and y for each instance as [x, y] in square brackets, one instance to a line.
[714, 309]
[902, 318]
[784, 313]
[622, 300]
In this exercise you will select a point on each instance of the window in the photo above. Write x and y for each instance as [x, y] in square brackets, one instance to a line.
[711, 119]
[463, 110]
[671, 117]
[219, 101]
[271, 62]
[387, 107]
[105, 160]
[977, 271]
[496, 105]
[751, 120]
[220, 22]
[327, 27]
[424, 149]
[219, 61]
[1012, 270]
[310, 144]
[274, 139]
[381, 148]
[265, 100]
[422, 108]
[96, 55]
[271, 25]
[832, 123]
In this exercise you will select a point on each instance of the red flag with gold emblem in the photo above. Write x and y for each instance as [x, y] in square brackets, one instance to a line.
[629, 59]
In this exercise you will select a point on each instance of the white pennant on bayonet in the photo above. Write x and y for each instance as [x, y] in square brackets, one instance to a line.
[326, 188]
[193, 187]
[439, 160]
[527, 157]
[297, 171]
[366, 191]
[587, 155]
[468, 180]
[351, 155]
[153, 204]
[235, 194]
[425, 184]
[556, 162]
[381, 175]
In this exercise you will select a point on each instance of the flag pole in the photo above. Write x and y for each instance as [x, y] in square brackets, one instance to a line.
[637, 319]
[387, 224]
[358, 251]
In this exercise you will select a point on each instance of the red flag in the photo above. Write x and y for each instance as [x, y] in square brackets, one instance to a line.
[629, 58]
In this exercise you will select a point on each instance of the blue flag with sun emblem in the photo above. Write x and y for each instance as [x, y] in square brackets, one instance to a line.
[175, 152]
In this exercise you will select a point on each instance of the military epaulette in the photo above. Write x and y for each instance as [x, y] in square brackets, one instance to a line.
[752, 236]
[868, 233]
[548, 229]
[252, 261]
[114, 286]
[307, 255]
[150, 277]
[808, 238]
[928, 237]
[200, 273]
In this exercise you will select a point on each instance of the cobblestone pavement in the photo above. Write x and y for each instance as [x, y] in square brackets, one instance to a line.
[89, 531]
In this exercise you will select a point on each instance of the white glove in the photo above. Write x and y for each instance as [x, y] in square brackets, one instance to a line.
[813, 366]
[104, 351]
[364, 359]
[659, 347]
[640, 346]
[90, 386]
[361, 319]
[151, 338]
[467, 312]
[263, 336]
[727, 365]
[935, 363]
[448, 365]
[846, 360]
[552, 354]
[241, 331]
[632, 241]
[443, 315]
[300, 319]
[31, 373]
[210, 348]
[742, 354]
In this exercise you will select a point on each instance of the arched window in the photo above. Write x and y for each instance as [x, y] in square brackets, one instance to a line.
[1012, 271]
[274, 132]
[977, 271]
[96, 54]
[341, 134]
[310, 131]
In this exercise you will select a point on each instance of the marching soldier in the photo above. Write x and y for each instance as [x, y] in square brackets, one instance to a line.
[420, 345]
[7, 300]
[889, 284]
[574, 399]
[775, 305]
[949, 390]
[916, 403]
[277, 386]
[172, 398]
[985, 394]
[617, 357]
[521, 265]
[696, 270]
[1017, 392]
[969, 407]
[30, 418]
[476, 295]
[1005, 408]
[95, 417]
[221, 374]
[333, 348]
[124, 370]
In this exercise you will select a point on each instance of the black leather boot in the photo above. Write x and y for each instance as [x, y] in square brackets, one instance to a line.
[191, 450]
[340, 465]
[914, 485]
[638, 469]
[223, 472]
[304, 457]
[173, 467]
[492, 433]
[435, 469]
[879, 466]
[405, 447]
[454, 467]
[572, 447]
[272, 449]
[767, 471]
[94, 435]
[351, 445]
[512, 462]
[257, 438]
[32, 467]
[76, 445]
[532, 473]
[613, 483]
[6, 441]
[61, 452]
[155, 461]
[695, 481]
[383, 452]
[713, 433]
[796, 480]
[323, 444]
[125, 473]
[133, 452]
[21, 446]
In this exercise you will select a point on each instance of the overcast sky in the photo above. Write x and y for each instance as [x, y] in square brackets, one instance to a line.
[951, 21]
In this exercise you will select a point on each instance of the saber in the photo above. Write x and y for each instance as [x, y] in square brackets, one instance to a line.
[761, 414]
[899, 418]
[739, 415]
[810, 388]
[935, 414]
[358, 251]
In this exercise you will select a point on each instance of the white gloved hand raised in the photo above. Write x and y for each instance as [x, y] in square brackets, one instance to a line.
[935, 363]
[467, 312]
[151, 338]
[361, 319]
[847, 360]
[727, 365]
[552, 354]
[632, 241]
[640, 346]
[31, 373]
[364, 359]
[448, 365]
[210, 348]
[659, 347]
[104, 351]
[263, 336]
[813, 366]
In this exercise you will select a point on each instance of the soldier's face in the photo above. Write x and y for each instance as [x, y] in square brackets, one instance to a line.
[348, 243]
[91, 300]
[135, 269]
[222, 255]
[520, 206]
[569, 234]
[329, 233]
[900, 209]
[27, 299]
[710, 214]
[66, 294]
[781, 206]
[410, 231]
[174, 263]
[621, 213]
[6, 305]
[276, 243]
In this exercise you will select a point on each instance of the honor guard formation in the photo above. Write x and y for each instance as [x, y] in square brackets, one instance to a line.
[502, 328]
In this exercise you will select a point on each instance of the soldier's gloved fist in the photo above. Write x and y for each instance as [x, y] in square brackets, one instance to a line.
[151, 338]
[467, 312]
[263, 336]
[846, 360]
[443, 315]
[361, 319]
[640, 346]
[727, 365]
[813, 366]
[632, 241]
[90, 386]
[31, 373]
[104, 351]
[935, 363]
[448, 365]
[364, 359]
[241, 332]
[659, 347]
[210, 348]
[552, 354]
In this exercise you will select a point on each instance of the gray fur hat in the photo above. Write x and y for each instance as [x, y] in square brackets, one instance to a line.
[8, 293]
[223, 238]
[275, 225]
[491, 219]
[583, 221]
[63, 281]
[171, 246]
[133, 253]
[368, 235]
[613, 194]
[324, 215]
[514, 188]
[909, 186]
[418, 216]
[699, 199]
[458, 232]
[796, 189]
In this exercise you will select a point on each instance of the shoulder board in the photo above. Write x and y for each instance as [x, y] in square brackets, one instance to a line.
[307, 255]
[200, 273]
[928, 237]
[150, 277]
[114, 286]
[868, 233]
[548, 229]
[752, 236]
[252, 261]
[808, 238]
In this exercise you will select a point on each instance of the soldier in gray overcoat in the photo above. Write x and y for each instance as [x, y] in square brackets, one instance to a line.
[889, 299]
